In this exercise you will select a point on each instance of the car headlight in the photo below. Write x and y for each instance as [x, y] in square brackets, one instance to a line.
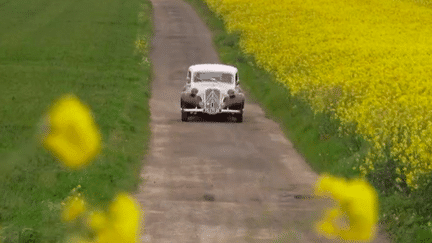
[231, 93]
[194, 92]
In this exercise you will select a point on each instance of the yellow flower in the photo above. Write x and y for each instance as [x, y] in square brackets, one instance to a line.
[356, 203]
[97, 220]
[73, 208]
[123, 225]
[73, 137]
[329, 226]
[398, 171]
[126, 214]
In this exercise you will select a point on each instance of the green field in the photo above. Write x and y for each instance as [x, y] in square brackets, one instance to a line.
[49, 48]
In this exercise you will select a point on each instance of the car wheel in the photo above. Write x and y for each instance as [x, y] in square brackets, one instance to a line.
[184, 116]
[239, 118]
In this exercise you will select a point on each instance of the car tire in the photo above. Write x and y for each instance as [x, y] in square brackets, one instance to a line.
[184, 116]
[239, 117]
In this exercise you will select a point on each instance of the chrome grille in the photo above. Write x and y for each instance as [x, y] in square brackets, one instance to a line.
[212, 101]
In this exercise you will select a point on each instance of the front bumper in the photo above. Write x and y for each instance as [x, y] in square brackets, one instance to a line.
[201, 110]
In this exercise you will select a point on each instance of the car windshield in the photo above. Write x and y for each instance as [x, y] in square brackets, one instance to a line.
[213, 77]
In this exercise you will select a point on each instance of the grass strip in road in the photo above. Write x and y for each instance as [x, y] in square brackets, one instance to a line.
[89, 48]
[316, 137]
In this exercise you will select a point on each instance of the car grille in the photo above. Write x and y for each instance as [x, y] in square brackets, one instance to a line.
[212, 101]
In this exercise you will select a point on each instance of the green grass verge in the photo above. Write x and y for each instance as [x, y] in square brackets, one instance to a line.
[49, 48]
[404, 214]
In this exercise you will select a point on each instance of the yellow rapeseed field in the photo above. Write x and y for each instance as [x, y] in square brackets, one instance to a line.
[367, 61]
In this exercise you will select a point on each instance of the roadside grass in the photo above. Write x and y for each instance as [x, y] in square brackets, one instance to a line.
[49, 48]
[403, 214]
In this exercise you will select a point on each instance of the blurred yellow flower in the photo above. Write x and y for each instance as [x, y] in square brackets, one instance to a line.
[73, 136]
[97, 220]
[329, 226]
[122, 223]
[73, 208]
[356, 205]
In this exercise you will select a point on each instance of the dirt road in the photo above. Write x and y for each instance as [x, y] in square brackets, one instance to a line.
[215, 181]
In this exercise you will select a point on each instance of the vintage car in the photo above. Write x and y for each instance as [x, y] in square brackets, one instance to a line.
[212, 89]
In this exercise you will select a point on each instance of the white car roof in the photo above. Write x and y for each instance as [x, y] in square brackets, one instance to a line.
[213, 68]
